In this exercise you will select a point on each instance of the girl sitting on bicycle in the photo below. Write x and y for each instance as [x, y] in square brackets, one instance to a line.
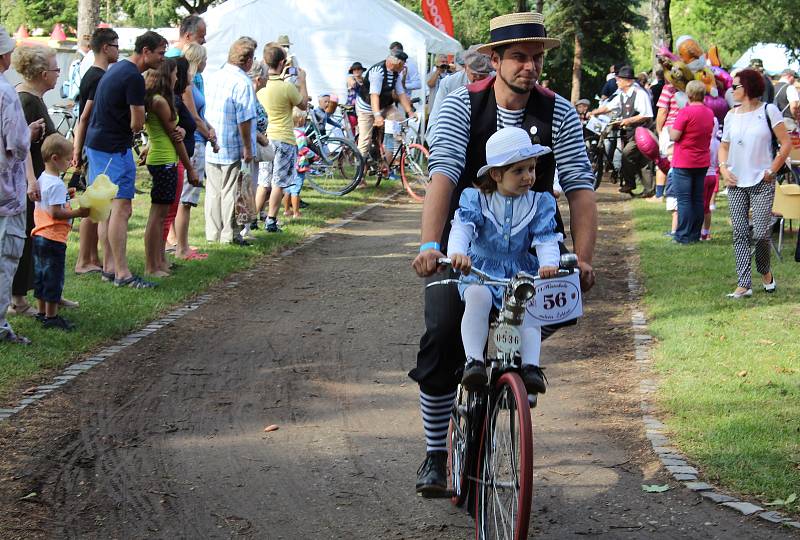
[493, 230]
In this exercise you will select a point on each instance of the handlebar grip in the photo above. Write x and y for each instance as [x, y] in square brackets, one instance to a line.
[568, 261]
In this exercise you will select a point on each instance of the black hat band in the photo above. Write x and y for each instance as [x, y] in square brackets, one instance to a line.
[518, 31]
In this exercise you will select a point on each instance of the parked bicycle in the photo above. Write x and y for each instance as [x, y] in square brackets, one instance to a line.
[410, 159]
[338, 166]
[490, 438]
[64, 119]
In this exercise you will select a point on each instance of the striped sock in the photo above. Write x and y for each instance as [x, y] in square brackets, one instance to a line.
[435, 419]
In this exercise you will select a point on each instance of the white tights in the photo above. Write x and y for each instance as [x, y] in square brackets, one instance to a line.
[475, 325]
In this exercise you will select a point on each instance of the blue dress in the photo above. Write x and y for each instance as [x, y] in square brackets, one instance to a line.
[503, 231]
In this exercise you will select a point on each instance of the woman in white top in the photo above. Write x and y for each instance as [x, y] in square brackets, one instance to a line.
[749, 165]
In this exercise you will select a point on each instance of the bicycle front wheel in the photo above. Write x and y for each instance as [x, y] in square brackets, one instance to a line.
[414, 171]
[338, 169]
[505, 464]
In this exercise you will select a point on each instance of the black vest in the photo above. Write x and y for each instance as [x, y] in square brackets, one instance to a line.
[483, 124]
[782, 100]
[386, 98]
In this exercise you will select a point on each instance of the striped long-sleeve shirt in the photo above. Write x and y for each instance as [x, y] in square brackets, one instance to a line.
[449, 146]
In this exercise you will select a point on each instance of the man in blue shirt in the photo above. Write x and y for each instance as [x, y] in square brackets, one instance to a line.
[118, 113]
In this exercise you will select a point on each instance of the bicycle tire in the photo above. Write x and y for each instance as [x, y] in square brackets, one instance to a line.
[413, 173]
[509, 395]
[460, 448]
[339, 167]
[597, 165]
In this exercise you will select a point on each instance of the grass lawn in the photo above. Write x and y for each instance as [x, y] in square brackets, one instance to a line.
[107, 312]
[730, 370]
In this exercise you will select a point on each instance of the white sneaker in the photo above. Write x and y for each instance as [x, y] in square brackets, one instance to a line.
[737, 294]
[771, 287]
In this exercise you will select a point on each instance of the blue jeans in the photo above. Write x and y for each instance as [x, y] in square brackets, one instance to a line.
[49, 259]
[688, 189]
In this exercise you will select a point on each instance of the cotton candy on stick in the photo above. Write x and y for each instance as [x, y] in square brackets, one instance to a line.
[98, 197]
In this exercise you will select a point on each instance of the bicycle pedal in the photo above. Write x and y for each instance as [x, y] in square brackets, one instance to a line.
[533, 399]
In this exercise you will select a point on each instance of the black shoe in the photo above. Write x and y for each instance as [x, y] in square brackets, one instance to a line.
[432, 475]
[239, 241]
[534, 379]
[58, 322]
[474, 377]
[272, 226]
[627, 189]
[304, 204]
[40, 317]
[647, 194]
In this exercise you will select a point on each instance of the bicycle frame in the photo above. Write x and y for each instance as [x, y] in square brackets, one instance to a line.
[519, 290]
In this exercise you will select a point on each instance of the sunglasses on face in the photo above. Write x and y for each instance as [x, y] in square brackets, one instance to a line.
[736, 86]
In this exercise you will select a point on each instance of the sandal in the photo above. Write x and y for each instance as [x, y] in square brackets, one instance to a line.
[107, 276]
[195, 256]
[134, 282]
[89, 271]
[28, 310]
[68, 303]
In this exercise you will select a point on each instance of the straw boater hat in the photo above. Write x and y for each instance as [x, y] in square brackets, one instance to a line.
[510, 145]
[518, 28]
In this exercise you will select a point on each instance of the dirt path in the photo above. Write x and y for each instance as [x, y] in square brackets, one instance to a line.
[167, 440]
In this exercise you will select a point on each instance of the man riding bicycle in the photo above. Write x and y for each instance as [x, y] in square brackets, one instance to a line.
[375, 101]
[468, 117]
[635, 108]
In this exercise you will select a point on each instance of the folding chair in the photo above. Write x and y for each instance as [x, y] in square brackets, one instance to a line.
[786, 206]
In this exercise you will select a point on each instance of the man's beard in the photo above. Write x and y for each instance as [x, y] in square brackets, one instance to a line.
[515, 89]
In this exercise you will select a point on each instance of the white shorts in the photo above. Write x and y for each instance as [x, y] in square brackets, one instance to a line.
[190, 195]
[672, 204]
[665, 145]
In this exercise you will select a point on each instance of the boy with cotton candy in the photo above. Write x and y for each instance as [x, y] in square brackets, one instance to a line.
[53, 221]
[493, 230]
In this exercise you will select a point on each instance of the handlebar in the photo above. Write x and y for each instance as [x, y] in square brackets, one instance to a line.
[566, 265]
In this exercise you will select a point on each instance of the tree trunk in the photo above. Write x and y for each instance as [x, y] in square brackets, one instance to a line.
[660, 26]
[577, 66]
[522, 5]
[539, 6]
[88, 17]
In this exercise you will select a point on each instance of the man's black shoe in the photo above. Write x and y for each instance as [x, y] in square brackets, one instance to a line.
[304, 204]
[432, 476]
[627, 189]
[534, 379]
[474, 377]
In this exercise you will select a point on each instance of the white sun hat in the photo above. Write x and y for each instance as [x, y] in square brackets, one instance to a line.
[510, 145]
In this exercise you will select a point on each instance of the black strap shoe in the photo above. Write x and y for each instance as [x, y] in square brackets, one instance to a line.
[432, 476]
[534, 379]
[474, 377]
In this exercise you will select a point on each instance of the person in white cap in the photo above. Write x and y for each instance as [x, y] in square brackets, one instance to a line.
[493, 230]
[476, 67]
[15, 137]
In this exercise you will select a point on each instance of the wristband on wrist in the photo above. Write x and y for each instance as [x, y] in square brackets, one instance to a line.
[429, 245]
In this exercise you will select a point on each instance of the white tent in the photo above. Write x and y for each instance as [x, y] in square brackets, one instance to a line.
[776, 58]
[327, 35]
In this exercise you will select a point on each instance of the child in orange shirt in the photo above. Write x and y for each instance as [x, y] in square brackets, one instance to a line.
[52, 219]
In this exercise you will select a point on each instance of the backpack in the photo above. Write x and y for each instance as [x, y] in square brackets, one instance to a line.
[72, 84]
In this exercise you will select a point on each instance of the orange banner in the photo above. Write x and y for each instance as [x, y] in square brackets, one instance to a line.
[437, 12]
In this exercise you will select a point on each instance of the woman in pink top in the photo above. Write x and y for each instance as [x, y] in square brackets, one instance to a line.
[692, 133]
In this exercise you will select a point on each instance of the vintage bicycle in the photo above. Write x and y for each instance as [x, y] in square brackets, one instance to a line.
[338, 166]
[410, 158]
[490, 437]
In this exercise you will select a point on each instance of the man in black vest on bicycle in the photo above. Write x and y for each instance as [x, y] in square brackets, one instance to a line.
[375, 100]
[635, 107]
[468, 117]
